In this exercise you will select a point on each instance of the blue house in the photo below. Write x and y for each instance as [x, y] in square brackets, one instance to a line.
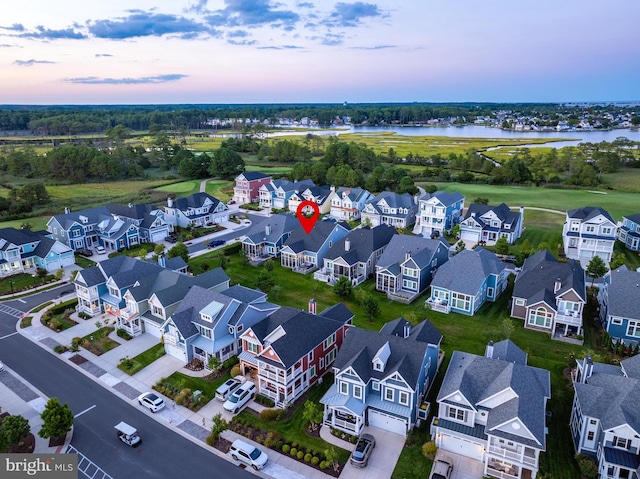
[276, 194]
[629, 232]
[406, 267]
[304, 252]
[466, 281]
[438, 213]
[266, 241]
[620, 305]
[381, 378]
[25, 251]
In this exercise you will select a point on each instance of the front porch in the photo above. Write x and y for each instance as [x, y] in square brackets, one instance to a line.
[343, 412]
[129, 321]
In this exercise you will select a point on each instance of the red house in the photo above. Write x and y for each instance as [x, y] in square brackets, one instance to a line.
[291, 349]
[247, 186]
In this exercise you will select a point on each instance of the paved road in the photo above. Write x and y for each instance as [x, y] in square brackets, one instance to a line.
[199, 244]
[162, 454]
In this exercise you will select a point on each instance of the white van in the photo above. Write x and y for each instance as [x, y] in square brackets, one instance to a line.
[240, 397]
[250, 455]
[228, 387]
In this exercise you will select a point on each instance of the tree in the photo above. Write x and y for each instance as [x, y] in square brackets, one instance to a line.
[159, 249]
[371, 307]
[407, 185]
[226, 163]
[617, 260]
[13, 429]
[481, 201]
[342, 287]
[508, 327]
[57, 420]
[460, 247]
[179, 249]
[331, 456]
[214, 364]
[265, 281]
[222, 260]
[312, 414]
[502, 245]
[596, 268]
[219, 426]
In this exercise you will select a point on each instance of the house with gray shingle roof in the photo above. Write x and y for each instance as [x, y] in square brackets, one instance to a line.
[492, 409]
[265, 241]
[355, 256]
[348, 203]
[291, 350]
[152, 299]
[381, 378]
[390, 208]
[304, 252]
[24, 251]
[405, 269]
[486, 224]
[438, 213]
[629, 232]
[605, 419]
[550, 295]
[619, 300]
[276, 193]
[208, 323]
[320, 195]
[587, 232]
[198, 209]
[466, 281]
[248, 186]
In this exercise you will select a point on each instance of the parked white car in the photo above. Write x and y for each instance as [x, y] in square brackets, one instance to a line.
[250, 455]
[151, 401]
[240, 397]
[225, 390]
[100, 249]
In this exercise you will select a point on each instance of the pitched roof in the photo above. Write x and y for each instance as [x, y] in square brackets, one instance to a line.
[196, 200]
[447, 198]
[536, 282]
[393, 200]
[254, 175]
[502, 211]
[362, 243]
[424, 332]
[466, 271]
[624, 293]
[587, 213]
[244, 294]
[338, 312]
[354, 194]
[420, 249]
[301, 241]
[278, 225]
[633, 218]
[478, 378]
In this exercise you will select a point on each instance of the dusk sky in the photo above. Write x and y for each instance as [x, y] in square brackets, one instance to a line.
[288, 51]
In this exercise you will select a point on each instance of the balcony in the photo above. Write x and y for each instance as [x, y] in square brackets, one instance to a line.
[173, 341]
[278, 377]
[127, 314]
[501, 470]
[571, 318]
[439, 305]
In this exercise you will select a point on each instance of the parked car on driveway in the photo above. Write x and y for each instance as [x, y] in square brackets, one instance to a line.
[240, 397]
[441, 469]
[100, 249]
[151, 401]
[215, 242]
[84, 252]
[364, 446]
[171, 239]
[225, 390]
[250, 455]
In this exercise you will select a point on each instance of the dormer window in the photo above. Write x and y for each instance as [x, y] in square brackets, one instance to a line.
[378, 366]
[205, 332]
[380, 359]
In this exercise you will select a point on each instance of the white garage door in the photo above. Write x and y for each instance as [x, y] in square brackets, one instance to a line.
[175, 352]
[388, 423]
[158, 236]
[53, 265]
[152, 328]
[462, 447]
[68, 261]
[469, 236]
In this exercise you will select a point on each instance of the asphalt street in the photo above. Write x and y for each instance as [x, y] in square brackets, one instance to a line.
[197, 245]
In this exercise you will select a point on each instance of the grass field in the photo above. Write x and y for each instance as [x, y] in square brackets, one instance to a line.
[182, 188]
[221, 189]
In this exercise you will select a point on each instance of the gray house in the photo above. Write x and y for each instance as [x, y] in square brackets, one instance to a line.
[390, 208]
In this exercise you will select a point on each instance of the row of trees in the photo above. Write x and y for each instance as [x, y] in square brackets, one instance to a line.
[21, 200]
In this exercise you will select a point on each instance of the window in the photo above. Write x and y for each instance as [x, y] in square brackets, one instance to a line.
[206, 332]
[606, 231]
[461, 301]
[375, 385]
[310, 356]
[621, 442]
[457, 414]
[312, 371]
[344, 387]
[403, 398]
[330, 357]
[252, 347]
[633, 329]
[590, 229]
[329, 341]
[389, 394]
[590, 435]
[490, 292]
[357, 392]
[593, 421]
[321, 363]
[520, 302]
[540, 318]
[617, 321]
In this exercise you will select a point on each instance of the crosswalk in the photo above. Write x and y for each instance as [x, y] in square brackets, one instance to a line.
[87, 467]
[16, 313]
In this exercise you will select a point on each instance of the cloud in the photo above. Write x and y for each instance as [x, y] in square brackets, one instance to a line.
[351, 14]
[29, 63]
[48, 34]
[16, 27]
[199, 7]
[252, 13]
[238, 34]
[305, 5]
[7, 45]
[376, 47]
[332, 40]
[281, 47]
[127, 81]
[142, 24]
[98, 55]
[242, 42]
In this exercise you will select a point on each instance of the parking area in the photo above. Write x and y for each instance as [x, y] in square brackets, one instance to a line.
[383, 458]
[463, 467]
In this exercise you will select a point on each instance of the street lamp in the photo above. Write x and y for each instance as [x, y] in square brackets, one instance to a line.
[11, 284]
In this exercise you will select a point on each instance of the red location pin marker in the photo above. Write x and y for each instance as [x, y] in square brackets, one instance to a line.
[307, 222]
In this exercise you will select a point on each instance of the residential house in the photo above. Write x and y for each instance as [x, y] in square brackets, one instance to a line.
[492, 409]
[292, 349]
[405, 269]
[629, 232]
[265, 241]
[101, 288]
[320, 195]
[304, 252]
[276, 193]
[550, 295]
[113, 226]
[247, 189]
[391, 209]
[198, 209]
[438, 213]
[154, 298]
[355, 256]
[486, 224]
[208, 324]
[381, 378]
[587, 232]
[24, 251]
[466, 281]
[348, 203]
[605, 419]
[619, 300]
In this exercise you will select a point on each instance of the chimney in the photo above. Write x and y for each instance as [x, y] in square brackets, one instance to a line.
[162, 261]
[407, 255]
[67, 211]
[489, 352]
[557, 285]
[588, 369]
[406, 330]
[347, 244]
[130, 205]
[267, 230]
[312, 306]
[169, 202]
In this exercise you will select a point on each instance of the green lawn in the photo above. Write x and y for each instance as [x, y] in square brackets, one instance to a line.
[181, 381]
[221, 189]
[20, 282]
[99, 341]
[143, 359]
[182, 188]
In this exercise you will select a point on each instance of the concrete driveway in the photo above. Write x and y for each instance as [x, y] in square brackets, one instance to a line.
[383, 458]
[463, 467]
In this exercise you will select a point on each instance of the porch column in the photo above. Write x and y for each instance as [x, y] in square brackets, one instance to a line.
[566, 329]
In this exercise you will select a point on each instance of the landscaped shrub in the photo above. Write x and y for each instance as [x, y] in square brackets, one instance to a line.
[293, 451]
[232, 249]
[307, 457]
[260, 440]
[429, 449]
[300, 455]
[83, 315]
[264, 400]
[75, 344]
[286, 448]
[123, 334]
[232, 361]
[588, 467]
[60, 348]
[236, 371]
[324, 465]
[279, 445]
[270, 415]
[295, 444]
[183, 396]
[210, 440]
[272, 439]
[315, 460]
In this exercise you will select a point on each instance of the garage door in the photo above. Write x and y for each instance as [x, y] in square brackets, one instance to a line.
[462, 447]
[388, 423]
[53, 265]
[469, 236]
[158, 236]
[68, 261]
